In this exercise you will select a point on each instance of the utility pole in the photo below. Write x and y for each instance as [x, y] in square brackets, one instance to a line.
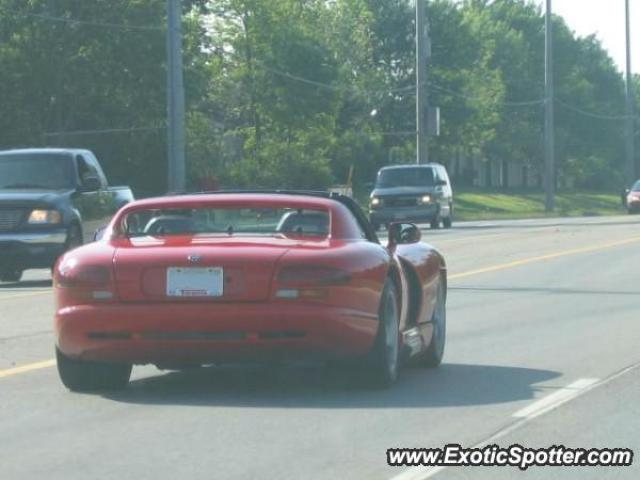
[630, 146]
[422, 50]
[57, 51]
[549, 134]
[175, 98]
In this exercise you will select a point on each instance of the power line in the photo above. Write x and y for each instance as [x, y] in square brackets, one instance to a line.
[524, 103]
[74, 21]
[328, 86]
[102, 131]
[408, 89]
[591, 114]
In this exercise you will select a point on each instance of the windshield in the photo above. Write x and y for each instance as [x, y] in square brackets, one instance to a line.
[48, 171]
[227, 221]
[405, 177]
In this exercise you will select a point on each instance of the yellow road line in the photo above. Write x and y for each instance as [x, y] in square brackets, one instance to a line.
[495, 268]
[27, 368]
[25, 295]
[526, 261]
[445, 241]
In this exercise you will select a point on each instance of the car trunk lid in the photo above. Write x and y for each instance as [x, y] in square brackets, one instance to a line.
[143, 265]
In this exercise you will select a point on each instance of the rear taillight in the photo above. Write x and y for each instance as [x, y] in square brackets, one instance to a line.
[85, 282]
[312, 275]
[308, 282]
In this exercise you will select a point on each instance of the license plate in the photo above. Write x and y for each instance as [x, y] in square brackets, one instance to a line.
[401, 216]
[194, 282]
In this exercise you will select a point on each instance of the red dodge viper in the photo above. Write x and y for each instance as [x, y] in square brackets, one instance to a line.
[238, 276]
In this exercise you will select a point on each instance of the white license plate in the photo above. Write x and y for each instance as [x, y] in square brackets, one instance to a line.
[195, 282]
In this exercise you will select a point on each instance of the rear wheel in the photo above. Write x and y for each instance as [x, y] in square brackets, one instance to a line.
[381, 368]
[432, 356]
[81, 376]
[435, 222]
[10, 275]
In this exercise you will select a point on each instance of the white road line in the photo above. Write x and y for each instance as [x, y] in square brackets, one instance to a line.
[423, 473]
[556, 399]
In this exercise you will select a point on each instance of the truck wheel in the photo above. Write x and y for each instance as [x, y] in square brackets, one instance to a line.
[74, 238]
[435, 222]
[81, 376]
[10, 275]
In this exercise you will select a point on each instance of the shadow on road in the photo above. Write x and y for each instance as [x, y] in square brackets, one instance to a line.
[452, 385]
[26, 285]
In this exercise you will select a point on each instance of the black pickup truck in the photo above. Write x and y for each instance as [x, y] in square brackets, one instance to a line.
[51, 200]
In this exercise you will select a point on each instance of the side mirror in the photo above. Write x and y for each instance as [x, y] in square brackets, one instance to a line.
[90, 184]
[441, 183]
[100, 233]
[403, 234]
[369, 185]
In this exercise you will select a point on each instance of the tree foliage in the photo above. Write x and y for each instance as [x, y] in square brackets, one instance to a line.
[293, 93]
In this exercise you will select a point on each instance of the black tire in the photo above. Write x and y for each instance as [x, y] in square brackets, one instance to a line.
[435, 222]
[81, 376]
[382, 363]
[447, 222]
[432, 356]
[74, 238]
[11, 275]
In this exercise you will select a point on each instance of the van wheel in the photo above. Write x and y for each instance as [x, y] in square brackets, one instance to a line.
[447, 222]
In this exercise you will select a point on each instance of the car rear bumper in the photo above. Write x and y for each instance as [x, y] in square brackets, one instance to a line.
[170, 334]
[424, 213]
[31, 250]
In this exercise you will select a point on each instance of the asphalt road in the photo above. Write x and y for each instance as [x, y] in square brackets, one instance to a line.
[543, 349]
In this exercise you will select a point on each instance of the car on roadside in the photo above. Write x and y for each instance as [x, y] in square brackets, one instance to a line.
[257, 277]
[51, 201]
[632, 201]
[412, 193]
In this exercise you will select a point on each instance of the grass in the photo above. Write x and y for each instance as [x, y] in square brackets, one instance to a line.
[494, 205]
[485, 204]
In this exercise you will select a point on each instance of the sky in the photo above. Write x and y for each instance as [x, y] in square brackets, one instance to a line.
[605, 18]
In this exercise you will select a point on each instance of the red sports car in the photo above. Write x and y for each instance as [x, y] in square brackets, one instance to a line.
[234, 277]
